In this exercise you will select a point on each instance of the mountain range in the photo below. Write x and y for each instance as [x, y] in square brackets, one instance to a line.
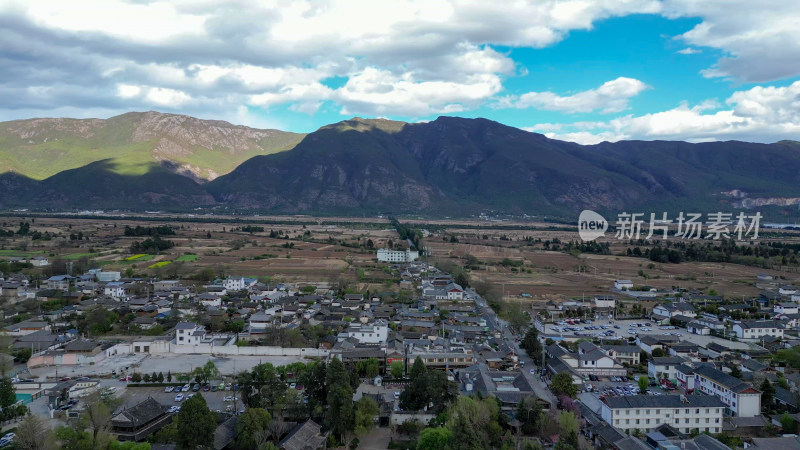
[450, 166]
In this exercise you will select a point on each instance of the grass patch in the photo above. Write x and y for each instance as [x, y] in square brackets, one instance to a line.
[158, 264]
[77, 255]
[19, 253]
[190, 257]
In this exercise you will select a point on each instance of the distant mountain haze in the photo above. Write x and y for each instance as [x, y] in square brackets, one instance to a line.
[450, 166]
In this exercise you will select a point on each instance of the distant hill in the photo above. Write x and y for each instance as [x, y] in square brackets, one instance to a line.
[132, 142]
[450, 166]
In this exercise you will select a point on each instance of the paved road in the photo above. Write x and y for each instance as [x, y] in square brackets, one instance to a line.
[377, 439]
[539, 387]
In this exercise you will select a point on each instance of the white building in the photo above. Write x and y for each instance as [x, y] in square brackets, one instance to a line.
[108, 276]
[646, 412]
[741, 398]
[376, 333]
[386, 255]
[115, 290]
[189, 333]
[664, 367]
[39, 261]
[756, 329]
[785, 308]
[623, 284]
[605, 301]
[674, 309]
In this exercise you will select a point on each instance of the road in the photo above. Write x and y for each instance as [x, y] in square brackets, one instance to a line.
[539, 387]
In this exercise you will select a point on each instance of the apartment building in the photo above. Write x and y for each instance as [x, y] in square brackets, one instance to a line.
[741, 398]
[646, 412]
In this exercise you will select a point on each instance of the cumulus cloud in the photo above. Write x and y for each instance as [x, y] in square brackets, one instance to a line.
[761, 114]
[427, 56]
[689, 51]
[612, 96]
[760, 39]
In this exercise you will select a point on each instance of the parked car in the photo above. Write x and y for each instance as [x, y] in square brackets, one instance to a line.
[179, 397]
[397, 394]
[178, 389]
[229, 398]
[169, 388]
[186, 387]
[196, 387]
[206, 388]
[7, 439]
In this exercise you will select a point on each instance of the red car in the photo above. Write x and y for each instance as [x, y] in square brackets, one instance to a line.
[126, 379]
[65, 379]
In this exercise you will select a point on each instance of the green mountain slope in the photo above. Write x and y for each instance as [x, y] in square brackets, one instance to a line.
[132, 142]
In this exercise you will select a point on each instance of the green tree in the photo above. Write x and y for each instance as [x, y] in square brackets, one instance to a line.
[196, 424]
[364, 413]
[562, 385]
[136, 377]
[530, 343]
[659, 352]
[767, 395]
[474, 423]
[8, 395]
[788, 424]
[643, 384]
[396, 369]
[339, 414]
[529, 412]
[736, 371]
[252, 427]
[434, 439]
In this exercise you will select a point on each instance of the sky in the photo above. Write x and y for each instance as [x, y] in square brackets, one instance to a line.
[580, 70]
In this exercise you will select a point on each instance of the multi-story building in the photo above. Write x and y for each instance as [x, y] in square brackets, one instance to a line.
[756, 329]
[624, 354]
[386, 255]
[646, 412]
[189, 333]
[740, 398]
[604, 301]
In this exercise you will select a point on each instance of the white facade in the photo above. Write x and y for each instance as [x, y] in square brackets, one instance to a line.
[623, 284]
[685, 416]
[604, 301]
[741, 398]
[234, 284]
[785, 308]
[188, 333]
[108, 276]
[377, 333]
[115, 291]
[386, 255]
[757, 329]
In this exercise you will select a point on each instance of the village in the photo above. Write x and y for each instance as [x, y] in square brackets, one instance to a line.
[680, 368]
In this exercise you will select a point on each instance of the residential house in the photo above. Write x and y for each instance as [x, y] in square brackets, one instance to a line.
[624, 354]
[664, 367]
[139, 421]
[757, 329]
[785, 308]
[623, 285]
[189, 333]
[738, 396]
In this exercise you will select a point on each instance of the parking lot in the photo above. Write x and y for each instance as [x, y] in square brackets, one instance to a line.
[220, 401]
[621, 330]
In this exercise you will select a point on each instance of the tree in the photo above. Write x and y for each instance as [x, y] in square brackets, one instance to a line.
[169, 376]
[364, 416]
[530, 343]
[8, 395]
[562, 385]
[434, 439]
[136, 377]
[736, 371]
[788, 424]
[529, 412]
[659, 352]
[196, 424]
[34, 434]
[98, 417]
[474, 423]
[767, 395]
[251, 427]
[643, 384]
[396, 369]
[160, 377]
[339, 416]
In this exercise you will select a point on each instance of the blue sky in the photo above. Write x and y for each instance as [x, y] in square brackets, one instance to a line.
[578, 70]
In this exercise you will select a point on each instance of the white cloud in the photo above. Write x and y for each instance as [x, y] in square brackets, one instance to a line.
[612, 96]
[689, 51]
[760, 39]
[760, 114]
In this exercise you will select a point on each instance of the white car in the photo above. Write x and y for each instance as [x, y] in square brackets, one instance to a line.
[186, 387]
[169, 388]
[228, 398]
[179, 397]
[189, 396]
[174, 409]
